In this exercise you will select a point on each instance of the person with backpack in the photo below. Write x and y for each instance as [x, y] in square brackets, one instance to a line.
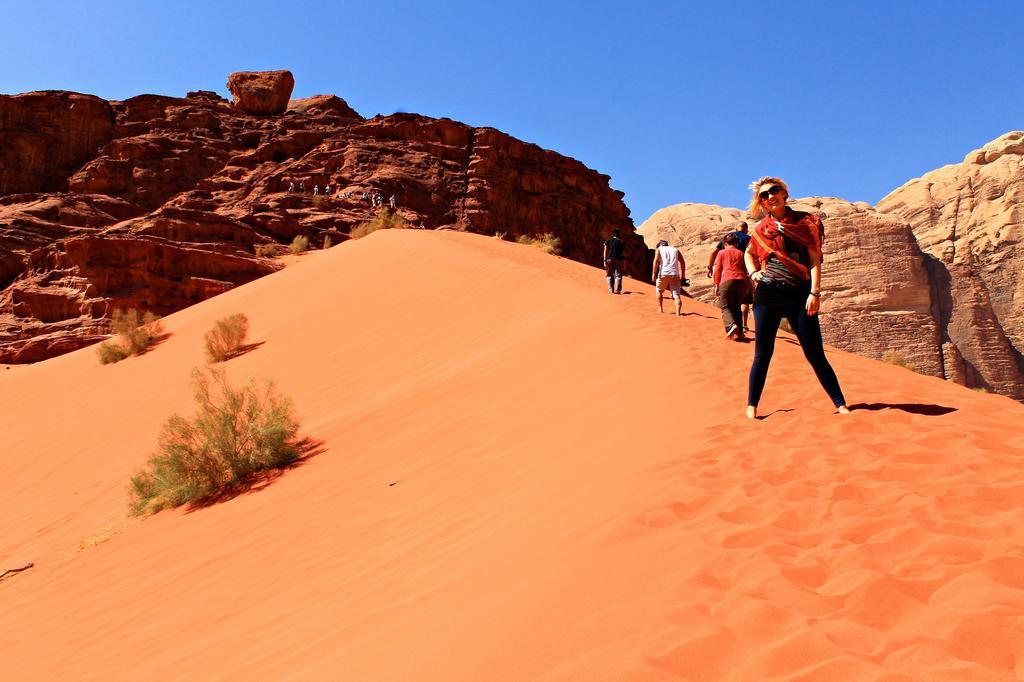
[732, 287]
[668, 274]
[742, 239]
[614, 259]
[784, 260]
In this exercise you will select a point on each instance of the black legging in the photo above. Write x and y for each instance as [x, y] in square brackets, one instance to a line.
[767, 317]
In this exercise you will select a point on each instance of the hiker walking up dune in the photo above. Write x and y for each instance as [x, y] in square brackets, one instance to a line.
[784, 260]
[732, 287]
[614, 257]
[668, 275]
[742, 239]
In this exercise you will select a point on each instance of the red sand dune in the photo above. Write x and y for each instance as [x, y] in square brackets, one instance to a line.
[522, 478]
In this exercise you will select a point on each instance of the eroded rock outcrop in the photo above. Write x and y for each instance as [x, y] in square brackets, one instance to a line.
[167, 207]
[44, 136]
[261, 92]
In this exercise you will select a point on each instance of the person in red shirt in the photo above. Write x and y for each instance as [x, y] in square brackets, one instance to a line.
[732, 286]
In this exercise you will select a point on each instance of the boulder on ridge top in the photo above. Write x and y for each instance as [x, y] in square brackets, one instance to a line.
[261, 92]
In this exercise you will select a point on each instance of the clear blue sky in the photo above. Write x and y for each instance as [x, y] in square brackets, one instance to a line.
[676, 101]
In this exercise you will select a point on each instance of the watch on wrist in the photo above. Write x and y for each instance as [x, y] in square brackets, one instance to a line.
[816, 294]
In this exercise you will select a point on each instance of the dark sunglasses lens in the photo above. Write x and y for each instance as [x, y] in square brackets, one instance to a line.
[771, 191]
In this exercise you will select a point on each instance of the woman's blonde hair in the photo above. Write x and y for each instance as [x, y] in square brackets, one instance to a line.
[756, 212]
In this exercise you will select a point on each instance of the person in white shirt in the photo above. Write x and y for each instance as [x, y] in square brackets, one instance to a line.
[669, 273]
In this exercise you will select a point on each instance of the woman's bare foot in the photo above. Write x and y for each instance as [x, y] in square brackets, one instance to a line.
[751, 412]
[843, 409]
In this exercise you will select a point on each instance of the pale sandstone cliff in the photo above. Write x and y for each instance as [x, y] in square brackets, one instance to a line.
[970, 218]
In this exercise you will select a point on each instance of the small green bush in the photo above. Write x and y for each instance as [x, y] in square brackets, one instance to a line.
[546, 242]
[384, 220]
[110, 352]
[266, 250]
[135, 334]
[225, 340]
[235, 434]
[894, 358]
[299, 244]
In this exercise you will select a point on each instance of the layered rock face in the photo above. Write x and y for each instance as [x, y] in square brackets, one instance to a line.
[970, 218]
[44, 136]
[932, 274]
[164, 205]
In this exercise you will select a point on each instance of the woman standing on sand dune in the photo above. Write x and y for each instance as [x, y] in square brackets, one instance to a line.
[784, 261]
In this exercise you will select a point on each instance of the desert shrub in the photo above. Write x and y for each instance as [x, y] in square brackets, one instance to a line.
[266, 250]
[894, 358]
[234, 434]
[111, 351]
[299, 244]
[501, 235]
[327, 242]
[384, 220]
[786, 326]
[225, 340]
[319, 200]
[980, 389]
[135, 333]
[546, 242]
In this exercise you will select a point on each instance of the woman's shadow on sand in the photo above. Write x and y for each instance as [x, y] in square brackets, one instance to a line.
[913, 408]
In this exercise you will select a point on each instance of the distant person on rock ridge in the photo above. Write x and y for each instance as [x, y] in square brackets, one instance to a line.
[316, 190]
[784, 260]
[732, 286]
[669, 272]
[302, 186]
[291, 186]
[327, 190]
[614, 259]
[391, 202]
[743, 238]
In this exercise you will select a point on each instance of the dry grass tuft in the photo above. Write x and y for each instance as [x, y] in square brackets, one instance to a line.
[299, 244]
[894, 358]
[546, 242]
[384, 220]
[235, 434]
[266, 250]
[227, 337]
[135, 332]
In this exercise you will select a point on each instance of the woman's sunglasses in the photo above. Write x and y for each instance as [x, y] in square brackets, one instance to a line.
[770, 192]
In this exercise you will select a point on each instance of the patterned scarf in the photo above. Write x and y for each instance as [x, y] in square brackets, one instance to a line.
[803, 228]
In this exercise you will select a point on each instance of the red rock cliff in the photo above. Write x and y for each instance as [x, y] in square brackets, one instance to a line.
[157, 202]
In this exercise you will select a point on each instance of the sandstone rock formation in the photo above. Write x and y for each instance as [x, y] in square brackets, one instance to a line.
[261, 92]
[44, 136]
[932, 275]
[970, 218]
[164, 206]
